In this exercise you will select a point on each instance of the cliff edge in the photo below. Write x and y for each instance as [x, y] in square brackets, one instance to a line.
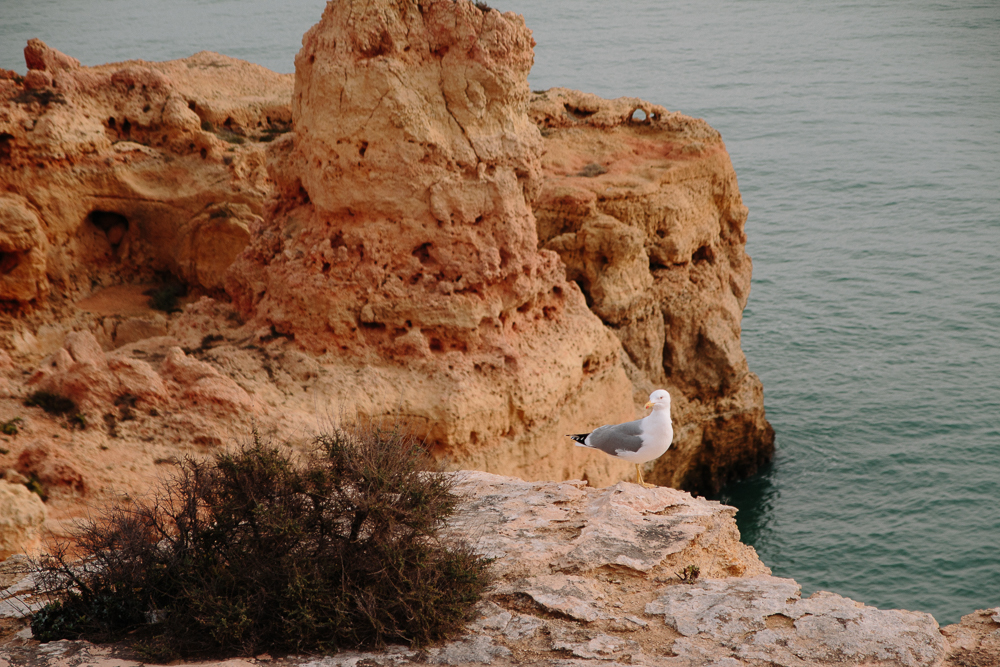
[590, 576]
[401, 228]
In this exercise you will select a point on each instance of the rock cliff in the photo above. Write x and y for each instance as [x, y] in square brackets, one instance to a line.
[401, 239]
[643, 207]
[431, 241]
[591, 577]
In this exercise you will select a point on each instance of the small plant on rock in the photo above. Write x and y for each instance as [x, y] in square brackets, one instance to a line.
[12, 426]
[54, 404]
[252, 552]
[689, 574]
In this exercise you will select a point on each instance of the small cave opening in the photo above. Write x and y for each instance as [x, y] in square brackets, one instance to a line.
[423, 253]
[704, 254]
[114, 225]
[363, 148]
[6, 139]
[577, 112]
[10, 261]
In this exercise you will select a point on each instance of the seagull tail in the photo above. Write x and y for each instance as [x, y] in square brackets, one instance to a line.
[581, 439]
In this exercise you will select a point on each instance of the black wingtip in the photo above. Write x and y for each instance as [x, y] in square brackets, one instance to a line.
[579, 437]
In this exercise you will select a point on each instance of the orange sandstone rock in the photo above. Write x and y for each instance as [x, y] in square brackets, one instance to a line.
[402, 238]
[114, 172]
[643, 207]
[425, 251]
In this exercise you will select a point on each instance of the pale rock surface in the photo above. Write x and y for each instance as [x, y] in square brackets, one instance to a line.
[623, 604]
[401, 240]
[643, 206]
[22, 516]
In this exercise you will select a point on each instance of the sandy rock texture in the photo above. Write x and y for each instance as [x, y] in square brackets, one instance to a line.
[589, 577]
[22, 515]
[432, 241]
[643, 207]
[114, 172]
[401, 238]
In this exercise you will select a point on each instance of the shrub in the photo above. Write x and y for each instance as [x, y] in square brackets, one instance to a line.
[251, 551]
[54, 404]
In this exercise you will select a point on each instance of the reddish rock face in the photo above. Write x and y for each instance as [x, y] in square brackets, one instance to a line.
[112, 173]
[431, 241]
[402, 237]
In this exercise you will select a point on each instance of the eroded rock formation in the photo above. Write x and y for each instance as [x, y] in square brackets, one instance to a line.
[114, 172]
[402, 238]
[399, 247]
[643, 207]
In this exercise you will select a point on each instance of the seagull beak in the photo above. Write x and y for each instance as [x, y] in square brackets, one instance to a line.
[649, 404]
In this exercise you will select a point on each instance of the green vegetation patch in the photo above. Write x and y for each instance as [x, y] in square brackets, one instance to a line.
[253, 551]
[11, 427]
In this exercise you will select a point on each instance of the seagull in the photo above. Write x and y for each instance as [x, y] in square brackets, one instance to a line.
[636, 442]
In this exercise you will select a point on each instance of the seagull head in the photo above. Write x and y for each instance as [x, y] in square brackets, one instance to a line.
[659, 400]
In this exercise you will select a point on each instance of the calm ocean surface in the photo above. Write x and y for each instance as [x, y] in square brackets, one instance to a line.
[866, 137]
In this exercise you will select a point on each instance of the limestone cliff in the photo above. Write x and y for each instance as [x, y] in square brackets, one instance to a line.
[401, 240]
[431, 241]
[643, 207]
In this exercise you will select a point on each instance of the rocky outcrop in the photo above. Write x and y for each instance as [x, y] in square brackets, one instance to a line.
[22, 515]
[436, 255]
[402, 238]
[115, 172]
[643, 207]
[590, 576]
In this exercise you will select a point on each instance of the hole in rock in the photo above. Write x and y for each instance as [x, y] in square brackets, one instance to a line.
[639, 116]
[192, 105]
[6, 139]
[436, 345]
[204, 153]
[703, 254]
[373, 325]
[586, 293]
[146, 108]
[363, 148]
[114, 225]
[423, 253]
[112, 122]
[9, 261]
[126, 127]
[577, 112]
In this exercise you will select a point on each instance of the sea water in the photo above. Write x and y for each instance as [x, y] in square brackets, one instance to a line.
[866, 138]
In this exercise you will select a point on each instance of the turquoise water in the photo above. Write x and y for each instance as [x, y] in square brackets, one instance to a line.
[866, 137]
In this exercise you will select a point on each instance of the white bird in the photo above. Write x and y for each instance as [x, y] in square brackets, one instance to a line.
[636, 442]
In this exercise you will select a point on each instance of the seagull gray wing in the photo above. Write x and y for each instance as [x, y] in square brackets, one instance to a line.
[620, 437]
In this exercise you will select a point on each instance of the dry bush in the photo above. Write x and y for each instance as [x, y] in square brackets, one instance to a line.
[252, 552]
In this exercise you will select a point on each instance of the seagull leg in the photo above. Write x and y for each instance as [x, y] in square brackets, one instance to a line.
[640, 481]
